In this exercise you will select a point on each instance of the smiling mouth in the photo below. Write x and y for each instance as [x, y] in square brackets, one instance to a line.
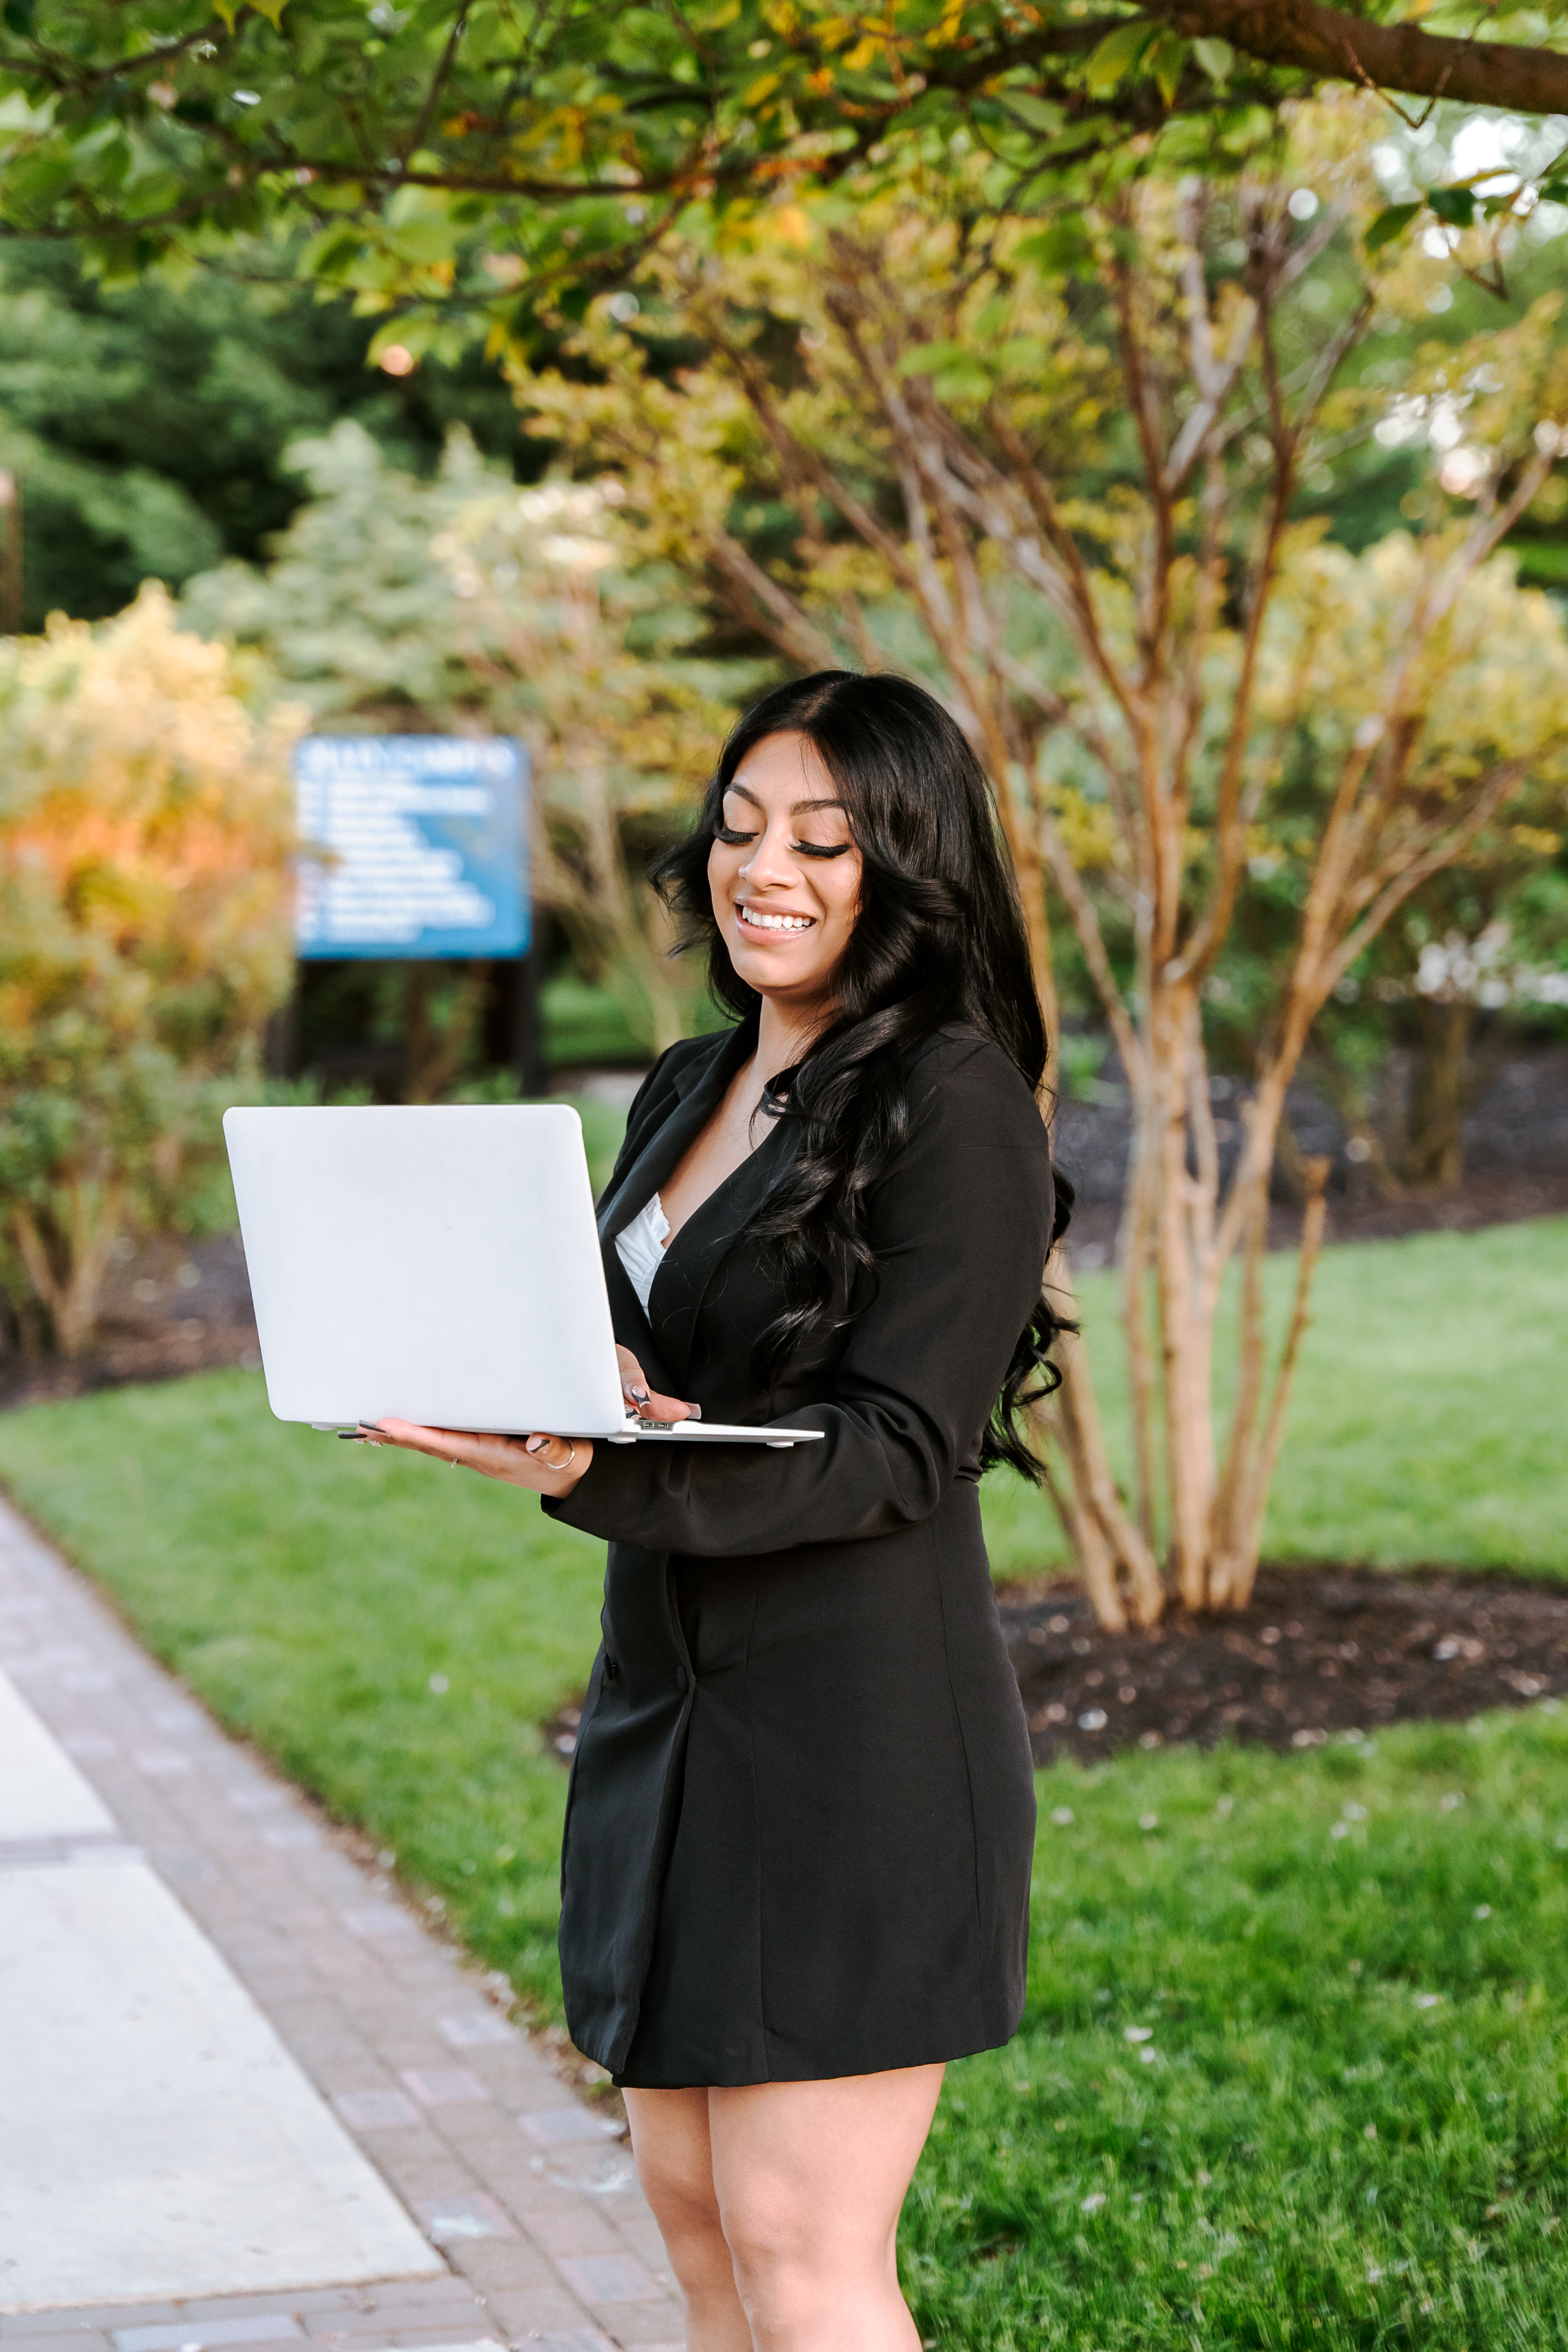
[754, 919]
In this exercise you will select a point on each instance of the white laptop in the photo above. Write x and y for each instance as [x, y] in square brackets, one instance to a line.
[440, 1265]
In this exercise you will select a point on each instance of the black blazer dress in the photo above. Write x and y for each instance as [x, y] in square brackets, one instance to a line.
[802, 1811]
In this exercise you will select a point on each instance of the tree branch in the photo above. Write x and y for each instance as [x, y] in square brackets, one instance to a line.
[769, 607]
[1333, 45]
[1086, 922]
[416, 138]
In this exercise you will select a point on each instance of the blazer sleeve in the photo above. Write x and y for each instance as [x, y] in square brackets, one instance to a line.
[961, 1228]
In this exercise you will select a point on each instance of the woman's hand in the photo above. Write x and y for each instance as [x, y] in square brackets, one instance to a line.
[646, 1402]
[543, 1464]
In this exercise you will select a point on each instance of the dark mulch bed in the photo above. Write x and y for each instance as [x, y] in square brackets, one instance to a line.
[1489, 1199]
[1319, 1651]
[1516, 1161]
[170, 1307]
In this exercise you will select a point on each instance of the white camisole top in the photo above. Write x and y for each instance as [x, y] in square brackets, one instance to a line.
[640, 1247]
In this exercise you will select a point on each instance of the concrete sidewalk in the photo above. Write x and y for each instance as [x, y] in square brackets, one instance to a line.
[246, 2097]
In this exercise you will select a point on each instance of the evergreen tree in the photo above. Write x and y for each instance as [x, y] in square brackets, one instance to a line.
[147, 424]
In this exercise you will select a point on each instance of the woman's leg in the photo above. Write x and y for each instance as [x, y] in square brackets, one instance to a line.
[810, 2177]
[674, 2165]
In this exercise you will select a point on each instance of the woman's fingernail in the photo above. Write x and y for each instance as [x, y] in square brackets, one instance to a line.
[694, 1413]
[534, 1445]
[640, 1395]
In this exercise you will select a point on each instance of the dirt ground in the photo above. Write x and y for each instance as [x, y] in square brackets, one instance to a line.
[1320, 1651]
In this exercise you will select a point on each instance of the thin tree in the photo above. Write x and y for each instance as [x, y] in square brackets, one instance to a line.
[1073, 461]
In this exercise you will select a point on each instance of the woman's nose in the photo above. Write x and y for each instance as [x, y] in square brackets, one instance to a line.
[770, 861]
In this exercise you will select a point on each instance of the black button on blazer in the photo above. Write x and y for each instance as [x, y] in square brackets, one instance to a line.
[802, 1809]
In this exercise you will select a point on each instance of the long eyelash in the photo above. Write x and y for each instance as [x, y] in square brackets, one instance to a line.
[728, 834]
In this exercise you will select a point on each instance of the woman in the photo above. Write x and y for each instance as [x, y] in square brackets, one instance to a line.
[797, 1865]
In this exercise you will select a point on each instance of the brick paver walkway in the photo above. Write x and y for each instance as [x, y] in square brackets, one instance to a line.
[527, 2197]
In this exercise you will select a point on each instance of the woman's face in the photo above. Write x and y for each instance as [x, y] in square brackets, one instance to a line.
[785, 875]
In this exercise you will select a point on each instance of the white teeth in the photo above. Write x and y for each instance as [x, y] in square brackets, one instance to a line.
[756, 920]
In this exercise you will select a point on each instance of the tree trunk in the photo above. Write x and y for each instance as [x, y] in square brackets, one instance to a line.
[65, 1255]
[1441, 1090]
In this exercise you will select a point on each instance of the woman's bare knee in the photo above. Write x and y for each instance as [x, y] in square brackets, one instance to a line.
[675, 2166]
[779, 2242]
[810, 2177]
[672, 2148]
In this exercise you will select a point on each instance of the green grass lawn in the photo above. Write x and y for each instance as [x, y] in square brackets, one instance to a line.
[1349, 1966]
[1345, 2126]
[1428, 1419]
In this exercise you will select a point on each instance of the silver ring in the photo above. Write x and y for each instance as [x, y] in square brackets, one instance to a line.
[560, 1467]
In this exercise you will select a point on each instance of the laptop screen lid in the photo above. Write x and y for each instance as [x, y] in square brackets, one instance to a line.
[440, 1263]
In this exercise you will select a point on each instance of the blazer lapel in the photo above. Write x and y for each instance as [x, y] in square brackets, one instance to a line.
[665, 1330]
[697, 1089]
[694, 1257]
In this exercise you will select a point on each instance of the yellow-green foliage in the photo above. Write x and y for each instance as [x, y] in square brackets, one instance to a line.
[1493, 679]
[145, 830]
[1490, 685]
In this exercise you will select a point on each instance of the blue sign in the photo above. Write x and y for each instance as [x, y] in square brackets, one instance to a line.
[415, 845]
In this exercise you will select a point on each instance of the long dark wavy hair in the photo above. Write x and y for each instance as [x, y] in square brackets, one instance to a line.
[939, 939]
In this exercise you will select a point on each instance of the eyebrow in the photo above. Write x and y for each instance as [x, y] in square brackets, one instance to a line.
[797, 808]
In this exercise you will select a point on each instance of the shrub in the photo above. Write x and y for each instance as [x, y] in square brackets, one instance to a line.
[145, 830]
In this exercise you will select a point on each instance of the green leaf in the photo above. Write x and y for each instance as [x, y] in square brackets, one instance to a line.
[1116, 56]
[36, 179]
[1167, 60]
[427, 239]
[1216, 57]
[1246, 129]
[1553, 192]
[956, 371]
[330, 251]
[928, 359]
[968, 381]
[1062, 250]
[1455, 205]
[339, 196]
[1187, 143]
[1035, 113]
[1390, 223]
